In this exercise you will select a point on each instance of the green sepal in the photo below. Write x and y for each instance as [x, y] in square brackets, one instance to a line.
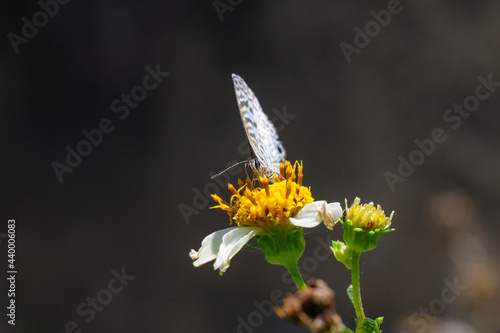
[350, 294]
[255, 246]
[342, 253]
[282, 248]
[361, 240]
[369, 325]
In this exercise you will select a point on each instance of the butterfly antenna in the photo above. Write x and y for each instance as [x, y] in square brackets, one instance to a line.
[232, 166]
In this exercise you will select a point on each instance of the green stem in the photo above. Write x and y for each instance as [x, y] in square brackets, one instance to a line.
[293, 268]
[358, 306]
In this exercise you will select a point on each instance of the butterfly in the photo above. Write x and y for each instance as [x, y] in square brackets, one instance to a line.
[266, 151]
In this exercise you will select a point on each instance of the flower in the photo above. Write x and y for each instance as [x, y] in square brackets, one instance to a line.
[274, 213]
[364, 225]
[269, 206]
[366, 216]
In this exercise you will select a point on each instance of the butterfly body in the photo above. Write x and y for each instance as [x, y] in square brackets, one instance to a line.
[266, 150]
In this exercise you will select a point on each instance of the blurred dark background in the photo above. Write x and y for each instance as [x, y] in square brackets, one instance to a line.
[120, 207]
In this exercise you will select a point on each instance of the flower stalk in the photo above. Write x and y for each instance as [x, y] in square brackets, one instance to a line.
[363, 226]
[293, 268]
[356, 299]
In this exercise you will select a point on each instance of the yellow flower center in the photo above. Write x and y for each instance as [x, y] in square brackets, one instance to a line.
[271, 205]
[366, 216]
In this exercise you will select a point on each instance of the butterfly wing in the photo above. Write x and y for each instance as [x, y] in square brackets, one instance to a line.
[261, 133]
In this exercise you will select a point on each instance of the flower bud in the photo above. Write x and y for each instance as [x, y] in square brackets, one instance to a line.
[364, 225]
[343, 253]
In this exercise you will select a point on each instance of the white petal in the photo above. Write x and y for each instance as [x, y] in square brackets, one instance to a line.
[310, 216]
[209, 247]
[232, 242]
[333, 212]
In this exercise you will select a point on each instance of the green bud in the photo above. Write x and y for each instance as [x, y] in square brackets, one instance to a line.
[342, 253]
[364, 224]
[359, 239]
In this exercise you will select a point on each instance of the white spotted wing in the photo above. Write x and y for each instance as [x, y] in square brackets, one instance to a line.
[266, 151]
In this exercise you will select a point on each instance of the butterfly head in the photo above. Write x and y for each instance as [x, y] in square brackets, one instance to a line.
[261, 170]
